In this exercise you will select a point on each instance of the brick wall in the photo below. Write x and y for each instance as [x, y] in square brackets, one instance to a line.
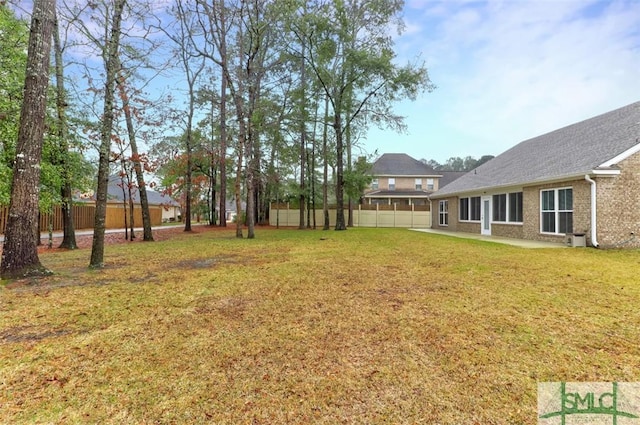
[618, 210]
[453, 214]
[506, 230]
[531, 210]
[618, 206]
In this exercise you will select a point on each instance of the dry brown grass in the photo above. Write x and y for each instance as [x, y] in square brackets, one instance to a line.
[363, 326]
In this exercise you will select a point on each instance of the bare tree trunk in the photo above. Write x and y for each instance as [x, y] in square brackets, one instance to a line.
[125, 204]
[132, 205]
[20, 252]
[69, 231]
[238, 187]
[340, 222]
[325, 170]
[349, 159]
[137, 167]
[111, 62]
[212, 170]
[223, 150]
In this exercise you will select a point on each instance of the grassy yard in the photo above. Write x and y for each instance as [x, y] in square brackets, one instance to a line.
[366, 326]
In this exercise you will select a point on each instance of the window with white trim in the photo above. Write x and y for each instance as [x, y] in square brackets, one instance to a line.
[374, 184]
[500, 207]
[392, 183]
[469, 209]
[463, 209]
[515, 207]
[430, 184]
[474, 208]
[418, 183]
[443, 213]
[556, 211]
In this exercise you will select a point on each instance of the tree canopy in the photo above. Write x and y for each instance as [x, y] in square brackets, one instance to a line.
[257, 101]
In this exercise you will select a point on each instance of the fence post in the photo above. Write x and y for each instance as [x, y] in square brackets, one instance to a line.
[412, 213]
[395, 212]
[377, 209]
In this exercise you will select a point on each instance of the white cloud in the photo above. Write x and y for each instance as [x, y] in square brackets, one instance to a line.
[510, 70]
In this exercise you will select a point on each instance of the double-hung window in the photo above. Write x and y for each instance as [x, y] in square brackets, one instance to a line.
[430, 184]
[392, 183]
[443, 213]
[556, 211]
[374, 184]
[418, 183]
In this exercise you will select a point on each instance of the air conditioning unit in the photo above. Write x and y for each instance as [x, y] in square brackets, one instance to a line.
[578, 240]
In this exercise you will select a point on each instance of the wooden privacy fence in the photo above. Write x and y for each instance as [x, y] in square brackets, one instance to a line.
[409, 216]
[116, 216]
[84, 216]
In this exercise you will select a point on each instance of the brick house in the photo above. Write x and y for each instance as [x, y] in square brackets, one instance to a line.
[402, 180]
[583, 179]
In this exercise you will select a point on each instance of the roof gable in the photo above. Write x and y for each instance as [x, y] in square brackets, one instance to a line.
[400, 164]
[570, 151]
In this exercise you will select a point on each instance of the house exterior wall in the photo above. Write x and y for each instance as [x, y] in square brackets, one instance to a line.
[531, 210]
[468, 227]
[404, 183]
[453, 215]
[618, 206]
[530, 226]
[506, 230]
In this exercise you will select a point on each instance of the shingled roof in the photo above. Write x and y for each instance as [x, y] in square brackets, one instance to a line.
[114, 192]
[572, 151]
[400, 164]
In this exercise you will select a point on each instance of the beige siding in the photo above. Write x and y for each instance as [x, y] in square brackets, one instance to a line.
[405, 183]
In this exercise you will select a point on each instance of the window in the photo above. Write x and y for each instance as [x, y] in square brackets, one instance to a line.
[474, 213]
[430, 184]
[443, 213]
[470, 209]
[500, 207]
[392, 183]
[556, 210]
[515, 207]
[374, 184]
[418, 184]
[464, 209]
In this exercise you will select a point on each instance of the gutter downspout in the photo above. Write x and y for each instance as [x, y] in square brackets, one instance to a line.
[594, 240]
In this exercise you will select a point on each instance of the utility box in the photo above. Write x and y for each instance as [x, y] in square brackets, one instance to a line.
[578, 240]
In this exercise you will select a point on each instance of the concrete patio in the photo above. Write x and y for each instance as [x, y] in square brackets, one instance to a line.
[522, 243]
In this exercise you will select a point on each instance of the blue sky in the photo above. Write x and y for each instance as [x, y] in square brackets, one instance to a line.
[510, 70]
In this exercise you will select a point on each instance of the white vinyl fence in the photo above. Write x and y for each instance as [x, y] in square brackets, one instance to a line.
[409, 216]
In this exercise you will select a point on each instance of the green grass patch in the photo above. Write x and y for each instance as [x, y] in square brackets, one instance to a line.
[363, 326]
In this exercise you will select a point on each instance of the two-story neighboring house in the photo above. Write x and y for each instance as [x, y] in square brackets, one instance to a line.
[403, 180]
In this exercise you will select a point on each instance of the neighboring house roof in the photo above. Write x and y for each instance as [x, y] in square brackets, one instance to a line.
[114, 192]
[595, 144]
[449, 176]
[400, 164]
